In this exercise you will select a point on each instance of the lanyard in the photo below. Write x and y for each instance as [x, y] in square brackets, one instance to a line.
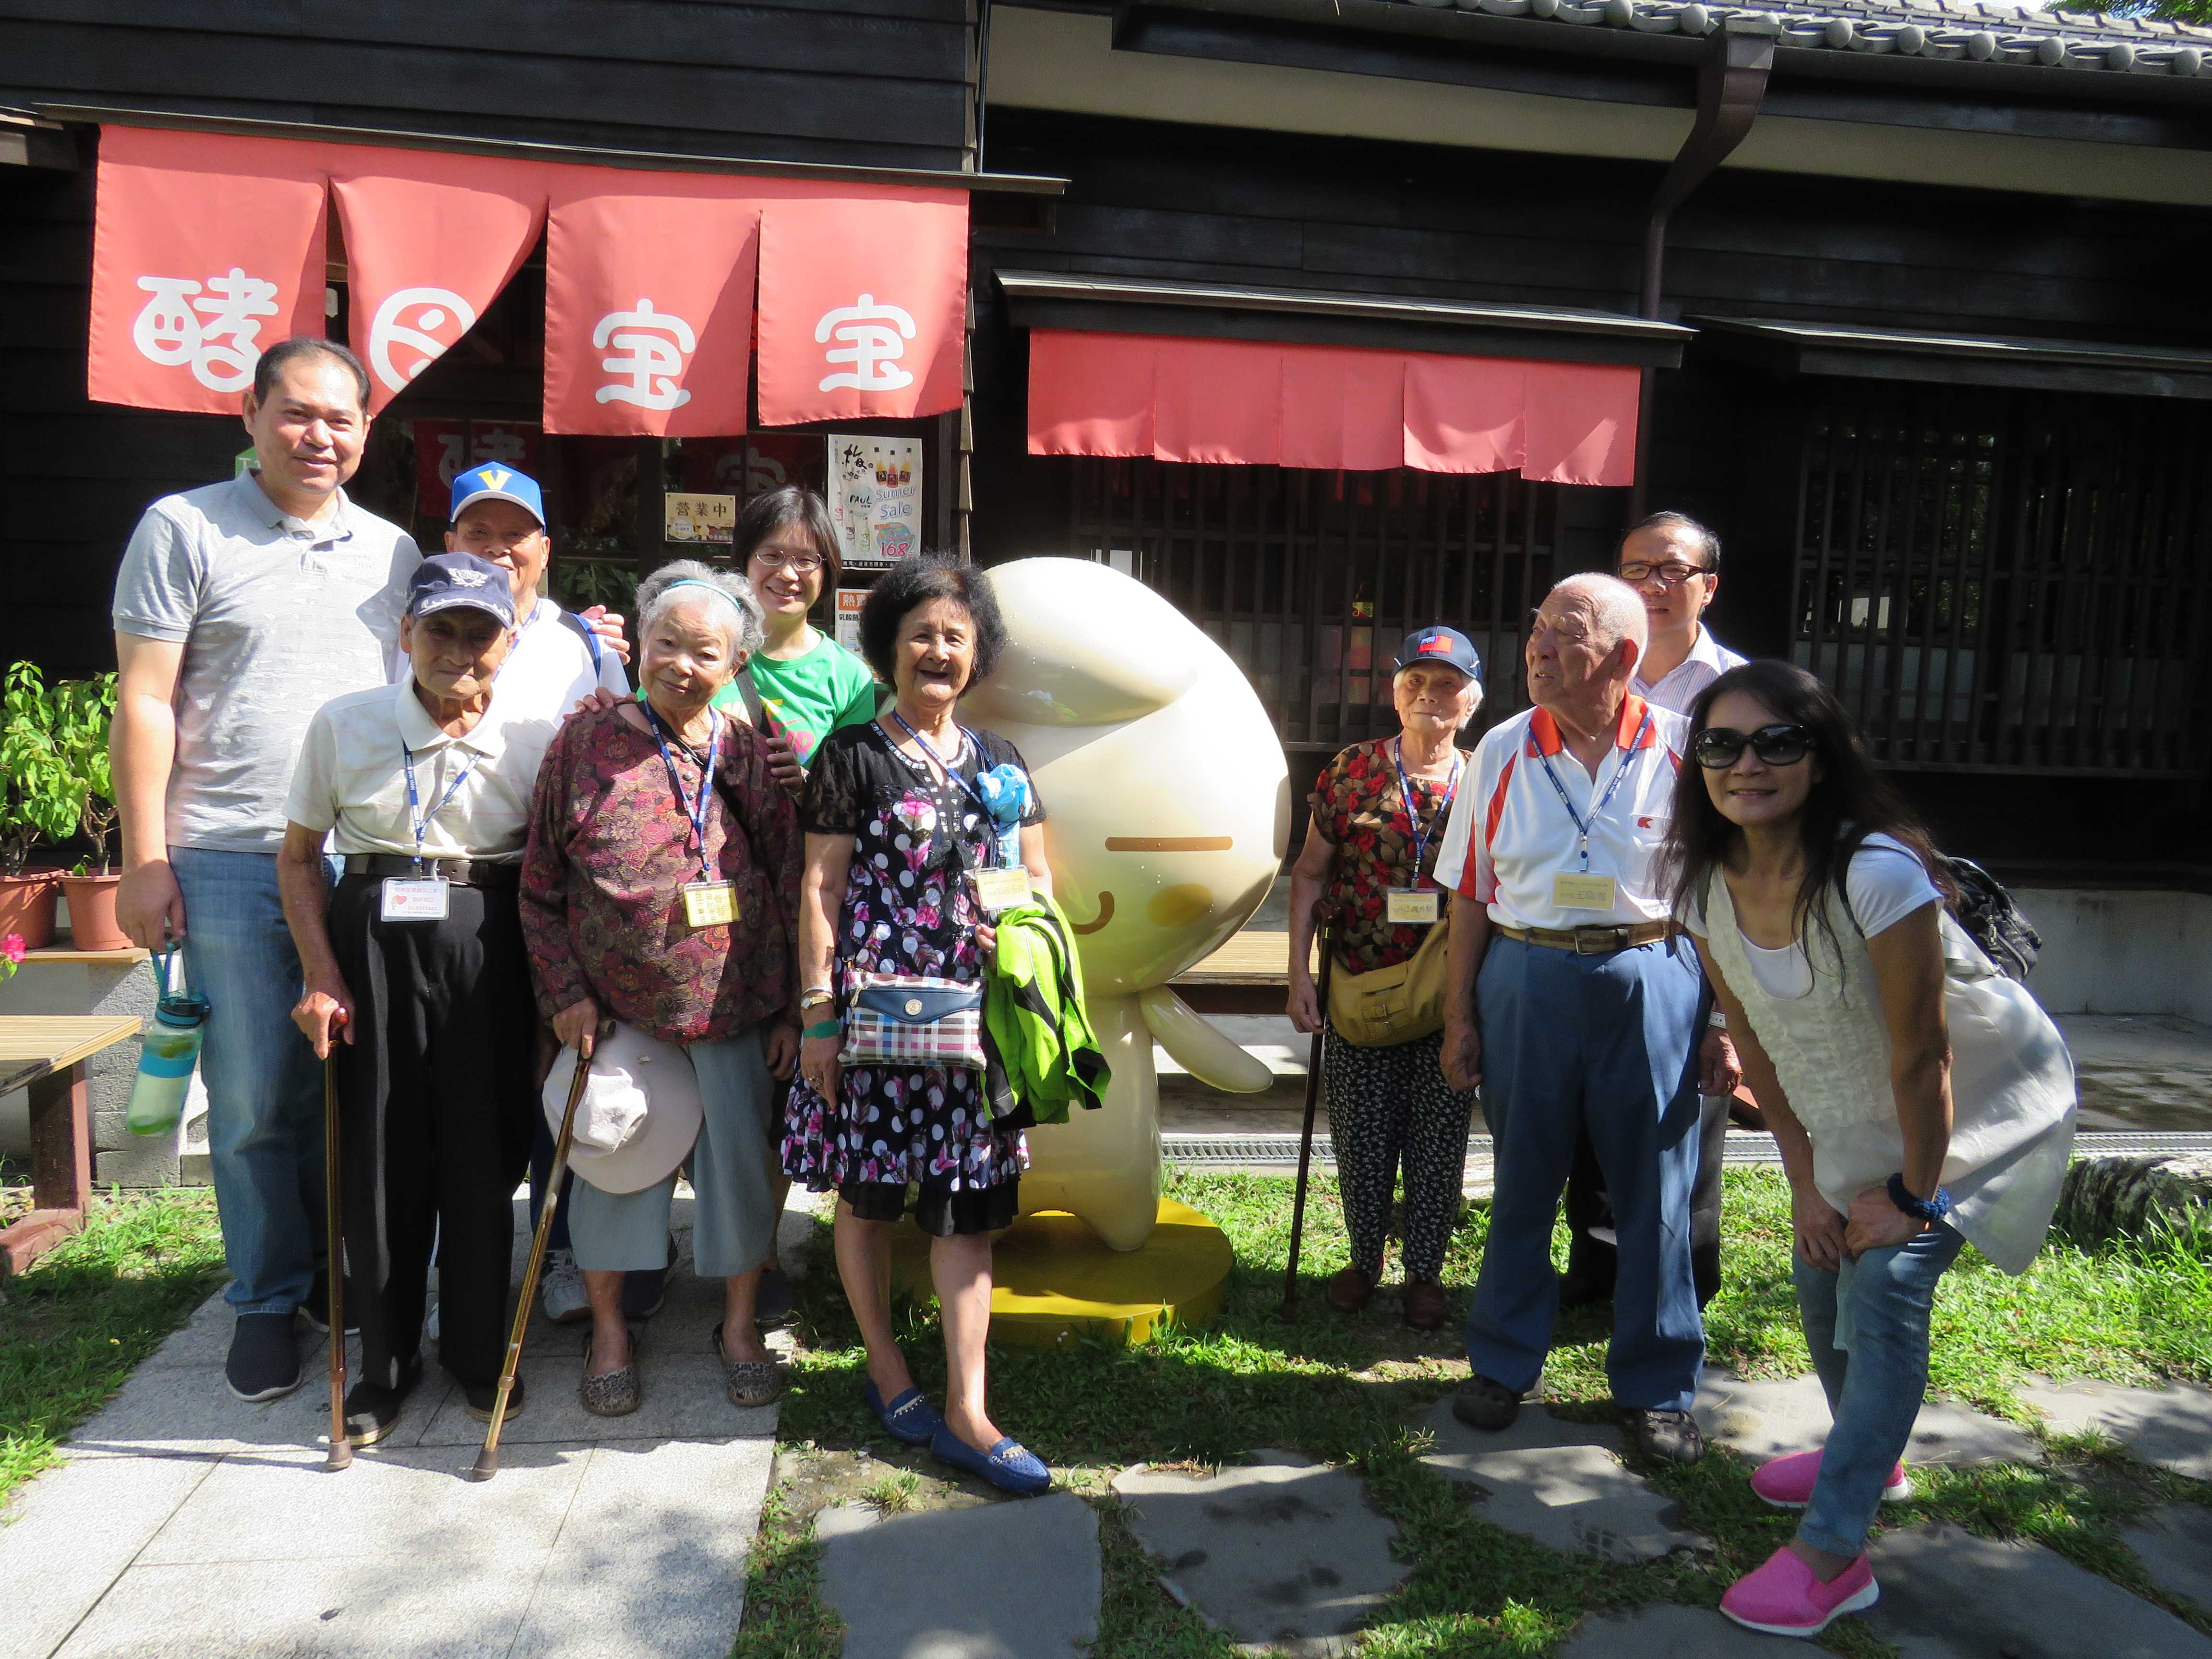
[694, 812]
[1412, 813]
[930, 749]
[417, 819]
[1583, 825]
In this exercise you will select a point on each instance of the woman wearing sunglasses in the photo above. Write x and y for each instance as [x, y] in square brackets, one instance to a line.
[1921, 1099]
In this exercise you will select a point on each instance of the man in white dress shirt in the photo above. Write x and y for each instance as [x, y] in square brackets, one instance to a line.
[1574, 1005]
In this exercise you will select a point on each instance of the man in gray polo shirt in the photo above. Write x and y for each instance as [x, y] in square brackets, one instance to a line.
[240, 609]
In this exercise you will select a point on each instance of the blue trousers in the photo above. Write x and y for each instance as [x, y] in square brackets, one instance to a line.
[264, 1085]
[1609, 1044]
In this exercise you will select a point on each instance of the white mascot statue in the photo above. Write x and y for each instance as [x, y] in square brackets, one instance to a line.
[1167, 806]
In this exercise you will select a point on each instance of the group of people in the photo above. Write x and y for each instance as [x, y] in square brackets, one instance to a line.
[409, 808]
[1676, 871]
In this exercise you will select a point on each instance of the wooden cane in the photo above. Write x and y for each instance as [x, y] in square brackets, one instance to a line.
[1325, 930]
[487, 1463]
[341, 1455]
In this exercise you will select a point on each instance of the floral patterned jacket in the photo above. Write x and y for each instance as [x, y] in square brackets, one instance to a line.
[1358, 809]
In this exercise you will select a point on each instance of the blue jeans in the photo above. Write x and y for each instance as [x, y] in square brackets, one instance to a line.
[265, 1086]
[1882, 1303]
[1607, 1044]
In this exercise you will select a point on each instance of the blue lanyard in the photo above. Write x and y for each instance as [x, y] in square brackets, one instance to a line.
[1413, 812]
[1582, 824]
[417, 819]
[930, 750]
[696, 811]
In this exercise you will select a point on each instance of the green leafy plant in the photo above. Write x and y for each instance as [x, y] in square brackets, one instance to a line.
[39, 799]
[84, 711]
[584, 583]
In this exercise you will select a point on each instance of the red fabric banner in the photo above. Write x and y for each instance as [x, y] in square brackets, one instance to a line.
[1343, 408]
[1092, 394]
[206, 249]
[1465, 414]
[430, 240]
[1582, 423]
[444, 449]
[648, 304]
[863, 306]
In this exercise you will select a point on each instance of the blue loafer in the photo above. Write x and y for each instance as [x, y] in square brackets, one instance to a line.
[910, 1418]
[1009, 1466]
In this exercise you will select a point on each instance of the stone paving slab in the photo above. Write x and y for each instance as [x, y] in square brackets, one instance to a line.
[2170, 1426]
[1280, 1550]
[1562, 1484]
[1017, 1579]
[1763, 1419]
[1667, 1632]
[2175, 1544]
[1948, 1595]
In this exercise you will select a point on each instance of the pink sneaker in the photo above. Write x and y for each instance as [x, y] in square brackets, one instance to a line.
[1783, 1598]
[1787, 1482]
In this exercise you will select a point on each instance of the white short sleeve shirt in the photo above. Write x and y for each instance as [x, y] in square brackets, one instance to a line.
[1511, 833]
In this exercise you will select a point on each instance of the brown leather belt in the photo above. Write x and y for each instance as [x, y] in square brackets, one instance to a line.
[462, 872]
[1595, 941]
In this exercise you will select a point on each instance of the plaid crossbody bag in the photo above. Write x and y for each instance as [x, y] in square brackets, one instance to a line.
[912, 1019]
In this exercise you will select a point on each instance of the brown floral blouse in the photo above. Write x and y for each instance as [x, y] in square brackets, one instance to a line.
[602, 876]
[1358, 809]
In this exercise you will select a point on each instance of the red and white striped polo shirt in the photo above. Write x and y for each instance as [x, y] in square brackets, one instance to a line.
[1509, 833]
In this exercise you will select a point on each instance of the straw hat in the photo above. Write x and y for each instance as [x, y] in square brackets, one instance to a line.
[639, 1114]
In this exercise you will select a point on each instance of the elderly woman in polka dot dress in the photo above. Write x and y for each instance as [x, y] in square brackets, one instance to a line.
[1379, 811]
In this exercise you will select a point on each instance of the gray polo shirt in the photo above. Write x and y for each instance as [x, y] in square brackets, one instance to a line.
[277, 617]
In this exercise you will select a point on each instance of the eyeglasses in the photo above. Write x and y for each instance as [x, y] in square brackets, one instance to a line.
[1672, 574]
[1719, 747]
[775, 558]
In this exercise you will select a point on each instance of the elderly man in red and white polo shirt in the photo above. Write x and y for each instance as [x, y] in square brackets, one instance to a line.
[1572, 1003]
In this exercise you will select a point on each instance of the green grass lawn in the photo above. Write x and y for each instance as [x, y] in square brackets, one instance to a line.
[1341, 1389]
[90, 1309]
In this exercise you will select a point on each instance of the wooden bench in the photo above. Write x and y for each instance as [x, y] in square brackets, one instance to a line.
[46, 1054]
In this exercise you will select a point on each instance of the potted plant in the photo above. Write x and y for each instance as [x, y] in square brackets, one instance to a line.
[39, 804]
[82, 711]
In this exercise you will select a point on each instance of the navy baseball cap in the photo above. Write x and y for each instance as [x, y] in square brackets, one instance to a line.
[1444, 645]
[449, 582]
[493, 483]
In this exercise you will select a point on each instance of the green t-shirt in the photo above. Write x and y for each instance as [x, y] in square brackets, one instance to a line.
[811, 695]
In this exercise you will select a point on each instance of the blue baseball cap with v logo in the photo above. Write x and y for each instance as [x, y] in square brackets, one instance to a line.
[493, 483]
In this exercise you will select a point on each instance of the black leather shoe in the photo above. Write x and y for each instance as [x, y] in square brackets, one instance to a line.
[316, 1309]
[1482, 1404]
[372, 1411]
[1672, 1436]
[264, 1357]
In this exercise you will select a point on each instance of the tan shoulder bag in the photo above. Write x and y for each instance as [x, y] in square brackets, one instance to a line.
[1386, 1006]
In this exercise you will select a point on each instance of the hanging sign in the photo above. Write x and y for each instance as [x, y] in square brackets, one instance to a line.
[875, 497]
[699, 517]
[850, 601]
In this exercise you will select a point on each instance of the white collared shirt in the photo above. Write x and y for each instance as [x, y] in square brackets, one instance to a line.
[352, 782]
[1678, 688]
[1510, 834]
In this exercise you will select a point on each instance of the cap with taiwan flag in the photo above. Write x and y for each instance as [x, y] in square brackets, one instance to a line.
[493, 483]
[1444, 645]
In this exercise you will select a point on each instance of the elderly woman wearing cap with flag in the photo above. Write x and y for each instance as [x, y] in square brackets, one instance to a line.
[417, 979]
[1370, 851]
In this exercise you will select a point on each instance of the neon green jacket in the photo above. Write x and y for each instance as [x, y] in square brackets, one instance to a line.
[1033, 1010]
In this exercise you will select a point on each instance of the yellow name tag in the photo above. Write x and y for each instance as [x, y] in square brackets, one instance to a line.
[1001, 890]
[710, 903]
[1579, 892]
[1414, 908]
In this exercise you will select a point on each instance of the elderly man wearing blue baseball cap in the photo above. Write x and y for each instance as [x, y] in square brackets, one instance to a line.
[1378, 813]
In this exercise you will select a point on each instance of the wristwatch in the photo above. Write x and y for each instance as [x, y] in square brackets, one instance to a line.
[1929, 1210]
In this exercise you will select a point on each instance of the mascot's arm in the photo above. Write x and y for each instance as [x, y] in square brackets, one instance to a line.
[1197, 1047]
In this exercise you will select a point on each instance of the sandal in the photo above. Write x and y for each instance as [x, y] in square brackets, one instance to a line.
[1009, 1466]
[748, 1383]
[617, 1393]
[909, 1420]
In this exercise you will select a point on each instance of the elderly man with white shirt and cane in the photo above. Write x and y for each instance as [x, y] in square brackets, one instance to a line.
[1573, 1003]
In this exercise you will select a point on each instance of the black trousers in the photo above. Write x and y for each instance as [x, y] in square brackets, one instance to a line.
[1591, 1262]
[437, 1101]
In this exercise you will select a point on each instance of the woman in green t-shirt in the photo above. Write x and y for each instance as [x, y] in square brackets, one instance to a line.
[809, 685]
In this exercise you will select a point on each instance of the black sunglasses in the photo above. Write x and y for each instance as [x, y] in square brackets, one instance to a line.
[1719, 746]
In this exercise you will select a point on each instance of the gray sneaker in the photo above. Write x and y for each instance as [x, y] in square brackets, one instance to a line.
[563, 1286]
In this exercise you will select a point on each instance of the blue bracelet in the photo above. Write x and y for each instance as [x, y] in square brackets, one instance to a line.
[1930, 1210]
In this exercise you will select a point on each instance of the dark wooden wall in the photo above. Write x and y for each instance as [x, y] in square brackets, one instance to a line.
[872, 82]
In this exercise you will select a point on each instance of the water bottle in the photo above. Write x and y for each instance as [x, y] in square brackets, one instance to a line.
[171, 1049]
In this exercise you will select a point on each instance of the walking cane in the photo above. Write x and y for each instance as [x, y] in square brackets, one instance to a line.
[341, 1455]
[1327, 932]
[487, 1463]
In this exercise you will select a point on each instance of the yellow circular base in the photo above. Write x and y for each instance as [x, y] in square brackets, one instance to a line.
[1053, 1280]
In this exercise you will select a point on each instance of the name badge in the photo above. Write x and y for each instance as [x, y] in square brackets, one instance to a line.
[1001, 889]
[1414, 907]
[1583, 892]
[417, 898]
[710, 903]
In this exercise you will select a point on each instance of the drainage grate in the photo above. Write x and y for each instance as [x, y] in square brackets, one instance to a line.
[1744, 1148]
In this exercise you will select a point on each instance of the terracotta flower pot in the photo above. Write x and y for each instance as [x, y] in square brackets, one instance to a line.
[27, 905]
[92, 913]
